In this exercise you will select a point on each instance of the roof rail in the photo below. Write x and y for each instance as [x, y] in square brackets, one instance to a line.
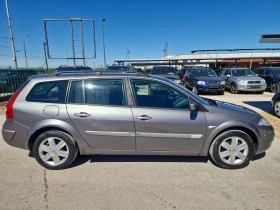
[98, 72]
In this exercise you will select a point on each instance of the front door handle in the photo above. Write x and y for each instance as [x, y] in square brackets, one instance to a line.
[144, 117]
[82, 114]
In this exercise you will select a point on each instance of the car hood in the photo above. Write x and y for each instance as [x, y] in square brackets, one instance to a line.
[212, 79]
[170, 76]
[249, 78]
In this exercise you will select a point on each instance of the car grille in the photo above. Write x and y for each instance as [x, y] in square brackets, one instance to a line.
[254, 87]
[213, 83]
[254, 82]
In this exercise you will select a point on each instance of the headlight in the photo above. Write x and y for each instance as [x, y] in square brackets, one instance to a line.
[264, 122]
[263, 81]
[177, 81]
[242, 82]
[201, 83]
[222, 83]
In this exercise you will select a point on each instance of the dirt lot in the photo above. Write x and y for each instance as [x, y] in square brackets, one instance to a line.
[256, 102]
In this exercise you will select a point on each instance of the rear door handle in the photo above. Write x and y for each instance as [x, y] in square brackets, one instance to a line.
[82, 114]
[144, 117]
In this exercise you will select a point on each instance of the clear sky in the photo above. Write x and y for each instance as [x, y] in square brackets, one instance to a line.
[142, 26]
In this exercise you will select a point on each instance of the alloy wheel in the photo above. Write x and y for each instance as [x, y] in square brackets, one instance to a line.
[53, 151]
[277, 108]
[233, 150]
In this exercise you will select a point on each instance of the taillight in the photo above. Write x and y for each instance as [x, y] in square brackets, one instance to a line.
[10, 103]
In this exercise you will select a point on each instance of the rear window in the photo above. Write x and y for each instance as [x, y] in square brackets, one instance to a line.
[48, 92]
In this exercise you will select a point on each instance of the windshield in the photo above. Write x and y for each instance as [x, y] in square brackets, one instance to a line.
[164, 70]
[205, 73]
[242, 72]
[276, 71]
[118, 68]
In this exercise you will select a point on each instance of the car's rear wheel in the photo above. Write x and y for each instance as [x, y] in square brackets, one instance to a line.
[232, 149]
[276, 108]
[55, 150]
[233, 88]
[275, 87]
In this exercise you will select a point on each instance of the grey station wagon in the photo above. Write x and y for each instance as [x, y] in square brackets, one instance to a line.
[59, 116]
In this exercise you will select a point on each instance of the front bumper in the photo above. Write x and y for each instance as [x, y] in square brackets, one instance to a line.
[207, 88]
[251, 87]
[266, 137]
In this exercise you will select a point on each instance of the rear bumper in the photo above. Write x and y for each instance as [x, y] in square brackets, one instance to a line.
[15, 134]
[266, 137]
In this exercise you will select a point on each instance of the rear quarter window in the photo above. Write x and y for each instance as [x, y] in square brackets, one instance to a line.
[48, 92]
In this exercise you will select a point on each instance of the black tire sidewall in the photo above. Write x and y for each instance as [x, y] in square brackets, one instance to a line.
[66, 138]
[217, 142]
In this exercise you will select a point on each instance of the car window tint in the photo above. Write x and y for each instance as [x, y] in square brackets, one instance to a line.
[48, 92]
[104, 92]
[76, 94]
[157, 95]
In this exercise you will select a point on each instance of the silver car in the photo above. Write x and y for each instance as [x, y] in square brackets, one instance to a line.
[242, 79]
[60, 116]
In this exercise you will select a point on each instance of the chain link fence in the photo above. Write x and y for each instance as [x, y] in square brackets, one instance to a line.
[11, 80]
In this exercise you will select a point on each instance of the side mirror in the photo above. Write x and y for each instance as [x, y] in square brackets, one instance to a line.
[193, 107]
[257, 75]
[228, 75]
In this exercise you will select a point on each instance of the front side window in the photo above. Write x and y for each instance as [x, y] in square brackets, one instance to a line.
[48, 92]
[98, 92]
[157, 95]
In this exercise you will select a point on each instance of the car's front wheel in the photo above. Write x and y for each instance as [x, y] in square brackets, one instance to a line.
[276, 108]
[233, 88]
[275, 87]
[55, 150]
[232, 149]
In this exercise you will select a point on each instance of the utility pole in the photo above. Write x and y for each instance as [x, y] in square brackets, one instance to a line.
[11, 35]
[46, 60]
[73, 43]
[165, 49]
[25, 54]
[104, 51]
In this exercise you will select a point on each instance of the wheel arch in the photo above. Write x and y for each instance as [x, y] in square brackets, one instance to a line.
[58, 125]
[250, 132]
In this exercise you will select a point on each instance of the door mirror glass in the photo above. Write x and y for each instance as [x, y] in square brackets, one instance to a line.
[193, 107]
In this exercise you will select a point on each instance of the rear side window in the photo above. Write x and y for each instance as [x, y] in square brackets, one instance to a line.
[48, 92]
[98, 92]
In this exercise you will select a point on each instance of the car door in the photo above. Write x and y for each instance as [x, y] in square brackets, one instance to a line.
[268, 76]
[98, 109]
[163, 120]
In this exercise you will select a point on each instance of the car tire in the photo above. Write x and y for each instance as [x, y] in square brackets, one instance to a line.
[194, 90]
[276, 108]
[232, 149]
[55, 150]
[222, 92]
[233, 88]
[275, 87]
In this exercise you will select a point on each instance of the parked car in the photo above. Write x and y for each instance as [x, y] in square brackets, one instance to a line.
[119, 68]
[64, 68]
[242, 79]
[168, 72]
[201, 79]
[272, 77]
[181, 74]
[131, 114]
[276, 104]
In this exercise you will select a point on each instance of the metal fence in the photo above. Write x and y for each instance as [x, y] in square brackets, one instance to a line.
[11, 80]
